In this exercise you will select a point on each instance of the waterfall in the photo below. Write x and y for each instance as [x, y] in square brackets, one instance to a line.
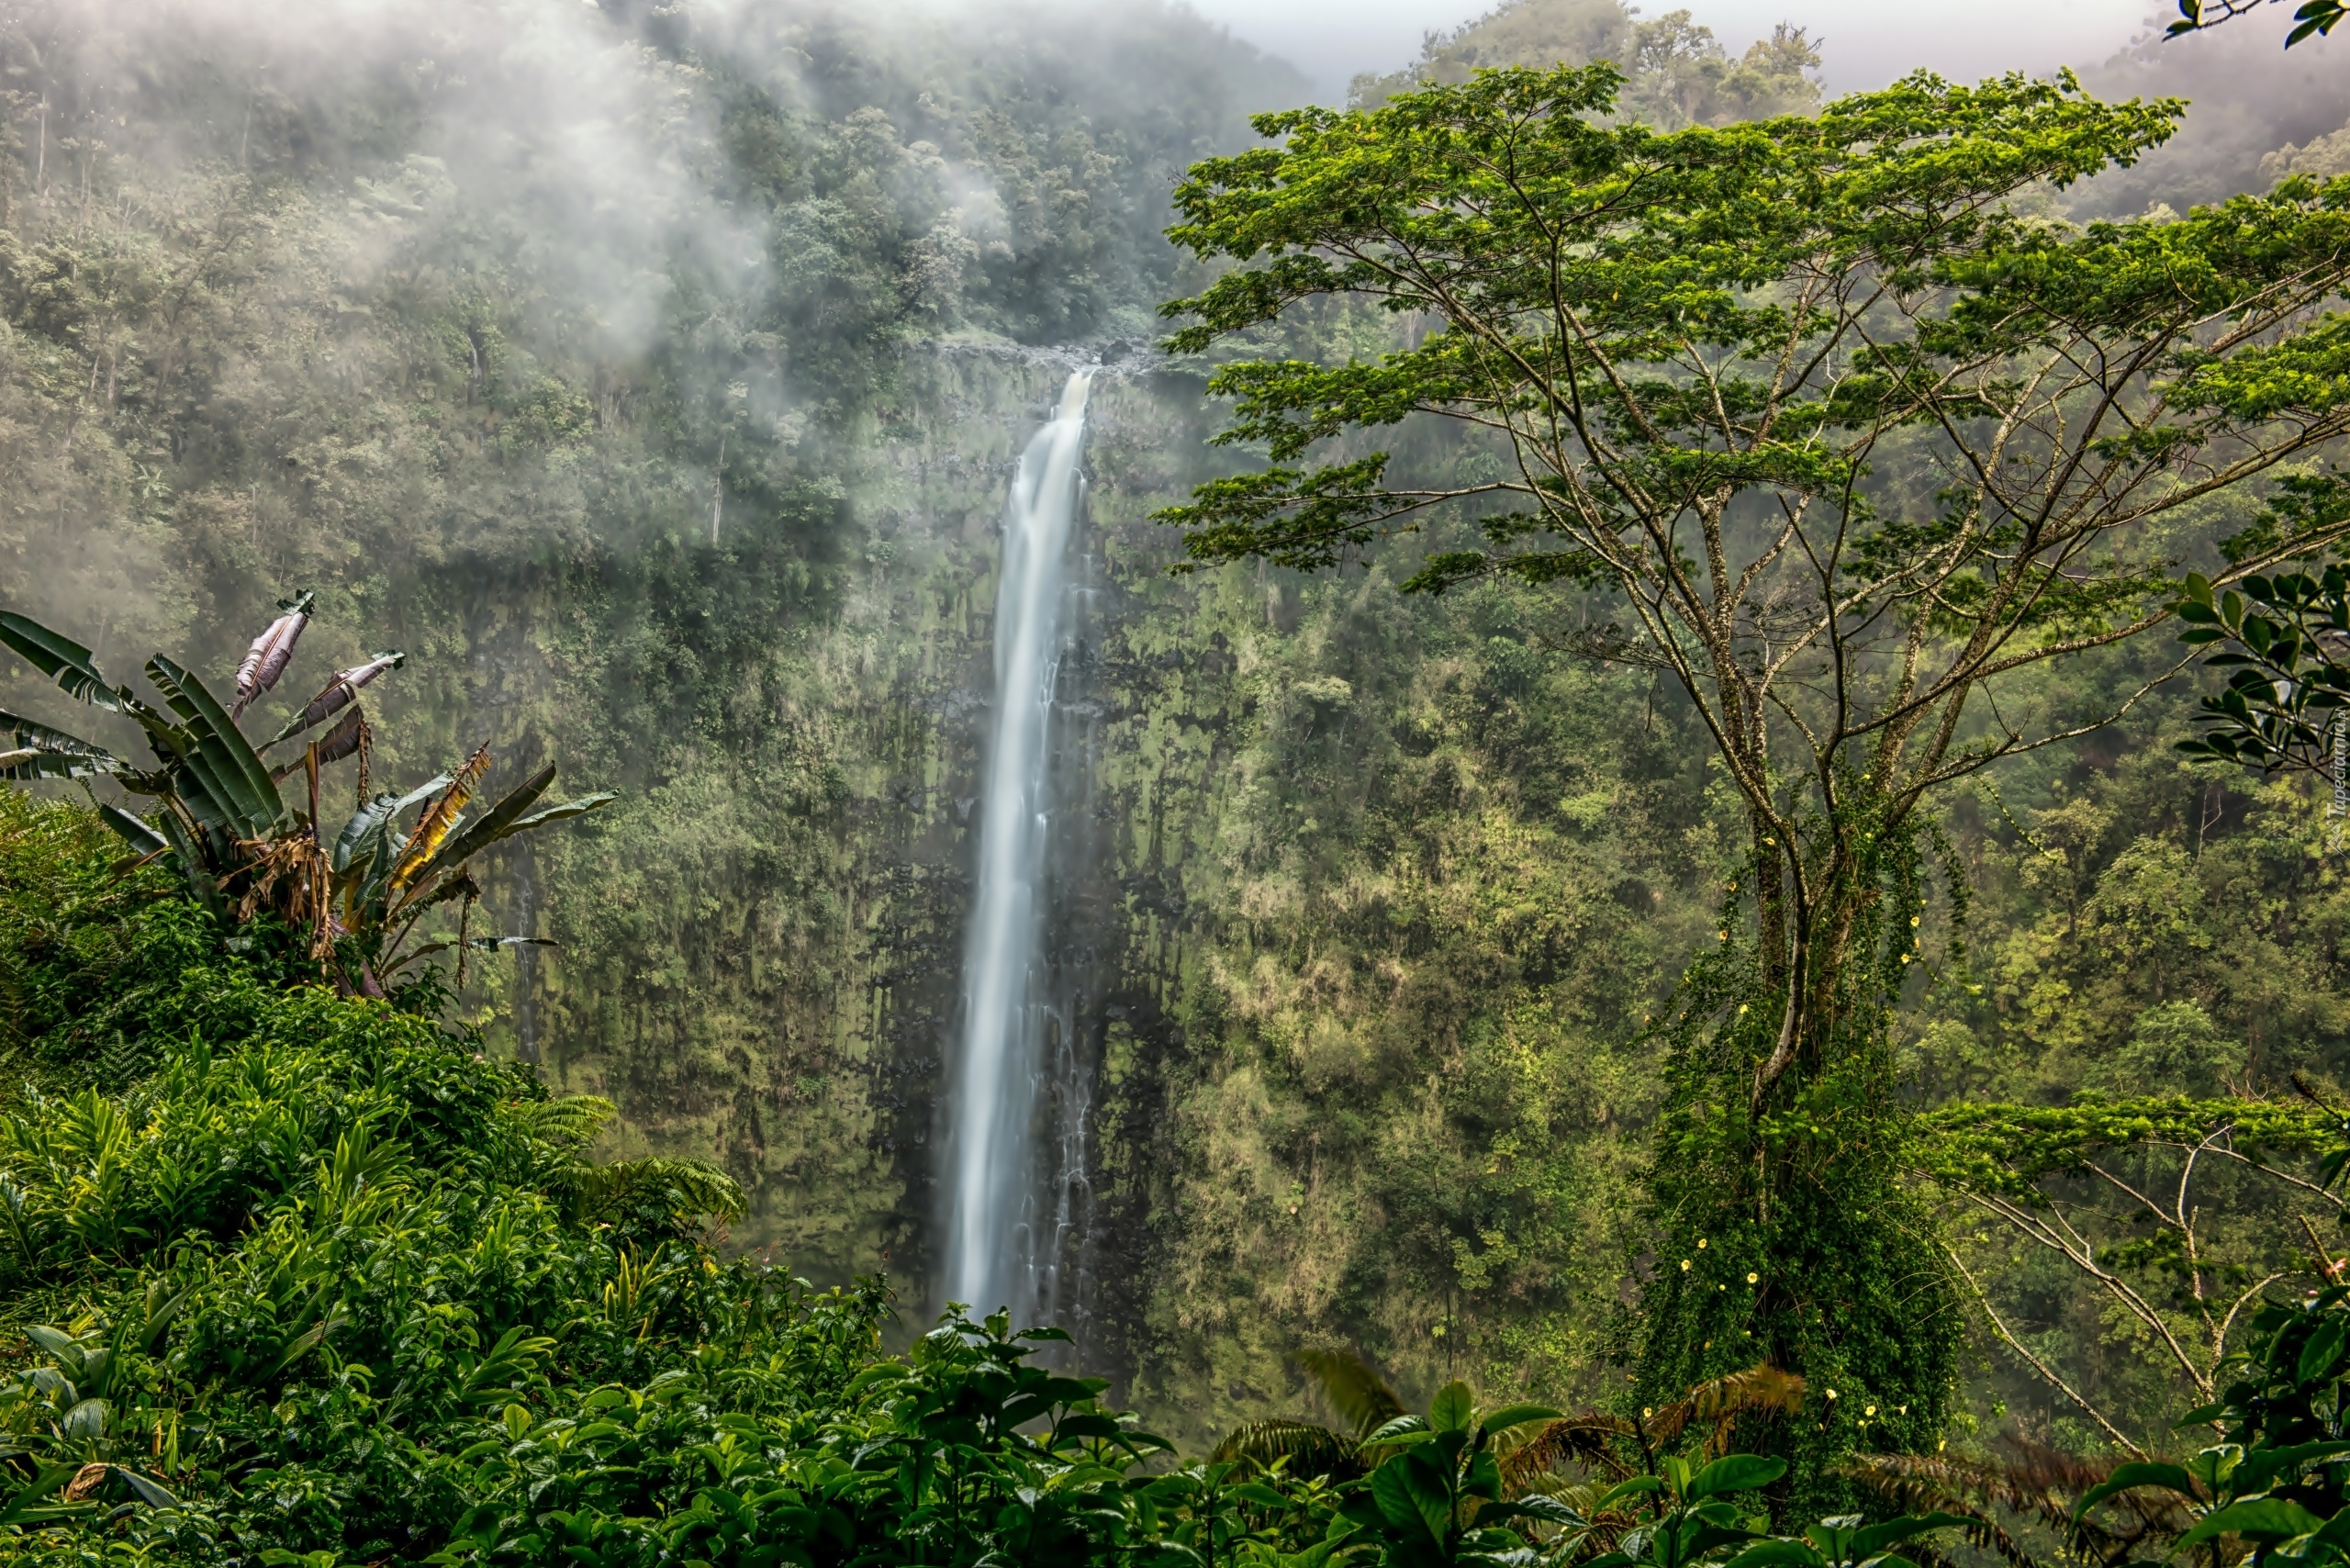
[1002, 1247]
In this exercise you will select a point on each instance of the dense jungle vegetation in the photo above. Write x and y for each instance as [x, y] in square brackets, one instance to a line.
[649, 376]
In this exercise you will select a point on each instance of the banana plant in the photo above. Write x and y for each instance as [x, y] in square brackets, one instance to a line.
[244, 849]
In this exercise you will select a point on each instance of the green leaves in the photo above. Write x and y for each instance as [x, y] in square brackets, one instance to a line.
[2137, 1474]
[2255, 1519]
[60, 658]
[1734, 1473]
[2283, 641]
[230, 784]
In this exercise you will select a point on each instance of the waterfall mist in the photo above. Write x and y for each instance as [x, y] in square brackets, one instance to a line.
[1003, 1240]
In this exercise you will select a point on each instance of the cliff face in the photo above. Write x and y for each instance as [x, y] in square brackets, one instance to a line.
[1355, 897]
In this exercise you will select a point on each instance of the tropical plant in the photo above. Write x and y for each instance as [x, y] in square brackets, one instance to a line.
[357, 895]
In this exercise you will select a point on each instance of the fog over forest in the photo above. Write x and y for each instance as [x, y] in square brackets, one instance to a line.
[676, 386]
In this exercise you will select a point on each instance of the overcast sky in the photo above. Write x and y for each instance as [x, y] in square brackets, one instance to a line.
[1868, 42]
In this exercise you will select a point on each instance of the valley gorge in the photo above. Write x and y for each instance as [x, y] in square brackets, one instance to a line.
[658, 379]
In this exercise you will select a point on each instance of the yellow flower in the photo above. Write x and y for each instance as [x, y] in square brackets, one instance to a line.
[1754, 1279]
[1701, 1244]
[1685, 1265]
[1831, 1394]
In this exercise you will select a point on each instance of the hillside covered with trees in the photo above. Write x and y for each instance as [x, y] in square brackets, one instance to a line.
[650, 380]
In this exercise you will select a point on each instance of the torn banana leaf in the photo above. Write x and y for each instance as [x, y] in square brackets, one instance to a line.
[131, 829]
[273, 650]
[439, 819]
[232, 772]
[340, 693]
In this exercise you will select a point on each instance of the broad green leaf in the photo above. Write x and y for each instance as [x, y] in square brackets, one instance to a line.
[149, 1492]
[1425, 1483]
[1392, 1489]
[31, 1506]
[131, 829]
[26, 764]
[1633, 1487]
[41, 737]
[2138, 1473]
[60, 658]
[236, 773]
[1875, 1538]
[2322, 1349]
[2262, 1466]
[1777, 1554]
[2262, 1518]
[1735, 1473]
[1398, 1430]
[1453, 1409]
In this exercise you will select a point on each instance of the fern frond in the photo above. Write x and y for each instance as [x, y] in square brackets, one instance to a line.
[1761, 1388]
[571, 1120]
[686, 1188]
[1588, 1439]
[2039, 1484]
[1310, 1448]
[1358, 1394]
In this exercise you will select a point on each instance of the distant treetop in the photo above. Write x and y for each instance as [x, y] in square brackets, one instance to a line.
[1679, 73]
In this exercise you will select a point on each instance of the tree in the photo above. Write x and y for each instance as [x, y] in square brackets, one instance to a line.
[1849, 439]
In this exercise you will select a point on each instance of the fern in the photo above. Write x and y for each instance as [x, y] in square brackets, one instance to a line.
[569, 1121]
[685, 1188]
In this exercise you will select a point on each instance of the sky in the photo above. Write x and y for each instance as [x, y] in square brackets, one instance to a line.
[1868, 42]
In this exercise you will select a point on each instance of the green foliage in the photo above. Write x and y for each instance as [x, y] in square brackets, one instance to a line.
[331, 1287]
[2315, 18]
[1678, 75]
[2286, 689]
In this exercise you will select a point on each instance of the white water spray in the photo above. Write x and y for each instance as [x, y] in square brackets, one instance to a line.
[997, 1078]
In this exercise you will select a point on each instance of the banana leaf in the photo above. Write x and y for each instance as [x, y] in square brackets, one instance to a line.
[578, 808]
[60, 658]
[376, 815]
[439, 820]
[273, 650]
[31, 733]
[338, 744]
[194, 868]
[503, 819]
[132, 831]
[338, 693]
[239, 777]
[26, 764]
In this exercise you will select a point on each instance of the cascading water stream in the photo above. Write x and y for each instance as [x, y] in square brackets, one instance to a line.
[993, 1251]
